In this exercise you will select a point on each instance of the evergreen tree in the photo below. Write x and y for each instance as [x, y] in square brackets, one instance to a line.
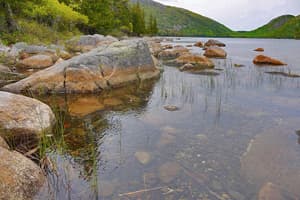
[154, 27]
[138, 20]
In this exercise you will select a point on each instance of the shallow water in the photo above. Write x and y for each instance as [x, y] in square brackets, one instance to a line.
[232, 133]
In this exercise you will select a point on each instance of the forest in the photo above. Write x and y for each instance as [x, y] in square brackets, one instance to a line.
[54, 20]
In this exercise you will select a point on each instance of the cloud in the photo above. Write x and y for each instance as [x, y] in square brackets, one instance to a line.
[239, 14]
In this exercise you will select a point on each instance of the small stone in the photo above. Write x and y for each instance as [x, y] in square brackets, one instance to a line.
[165, 139]
[169, 129]
[171, 108]
[202, 138]
[106, 188]
[269, 191]
[169, 171]
[143, 157]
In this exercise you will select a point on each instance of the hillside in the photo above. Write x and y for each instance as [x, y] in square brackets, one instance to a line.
[286, 26]
[180, 22]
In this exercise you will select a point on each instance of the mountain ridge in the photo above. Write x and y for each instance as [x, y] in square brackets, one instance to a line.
[174, 21]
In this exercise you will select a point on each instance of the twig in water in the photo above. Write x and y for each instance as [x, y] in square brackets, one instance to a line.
[140, 191]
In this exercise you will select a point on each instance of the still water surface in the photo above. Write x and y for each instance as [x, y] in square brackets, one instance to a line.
[234, 132]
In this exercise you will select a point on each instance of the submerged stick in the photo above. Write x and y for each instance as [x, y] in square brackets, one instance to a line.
[140, 191]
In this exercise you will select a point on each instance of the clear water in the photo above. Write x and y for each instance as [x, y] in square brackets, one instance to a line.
[233, 133]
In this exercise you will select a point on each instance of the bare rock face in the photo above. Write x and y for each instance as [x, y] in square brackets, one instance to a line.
[22, 116]
[102, 68]
[215, 52]
[198, 61]
[86, 43]
[20, 178]
[214, 43]
[265, 60]
[36, 62]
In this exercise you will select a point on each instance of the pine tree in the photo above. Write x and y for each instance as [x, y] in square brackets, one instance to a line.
[150, 25]
[154, 27]
[138, 20]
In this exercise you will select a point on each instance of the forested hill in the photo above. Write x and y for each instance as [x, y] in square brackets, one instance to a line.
[50, 21]
[181, 22]
[286, 26]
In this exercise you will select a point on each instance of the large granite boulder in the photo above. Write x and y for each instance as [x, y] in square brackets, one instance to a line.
[215, 52]
[22, 116]
[20, 178]
[265, 60]
[102, 68]
[86, 43]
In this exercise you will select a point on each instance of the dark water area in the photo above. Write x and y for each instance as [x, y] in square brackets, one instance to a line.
[233, 132]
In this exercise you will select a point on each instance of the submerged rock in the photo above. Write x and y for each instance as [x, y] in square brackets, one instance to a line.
[265, 60]
[36, 62]
[169, 171]
[86, 43]
[171, 108]
[143, 157]
[270, 191]
[84, 106]
[22, 116]
[214, 43]
[20, 178]
[102, 68]
[106, 188]
[273, 157]
[215, 52]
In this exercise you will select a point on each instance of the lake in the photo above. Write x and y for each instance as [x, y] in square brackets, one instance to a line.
[235, 131]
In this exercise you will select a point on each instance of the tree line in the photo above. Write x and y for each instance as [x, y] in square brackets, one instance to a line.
[89, 16]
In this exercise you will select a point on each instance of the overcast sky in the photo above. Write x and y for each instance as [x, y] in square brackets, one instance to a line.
[239, 14]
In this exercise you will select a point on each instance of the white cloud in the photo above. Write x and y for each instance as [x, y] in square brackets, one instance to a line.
[239, 14]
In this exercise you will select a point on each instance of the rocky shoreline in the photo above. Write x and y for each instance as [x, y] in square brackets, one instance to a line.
[86, 64]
